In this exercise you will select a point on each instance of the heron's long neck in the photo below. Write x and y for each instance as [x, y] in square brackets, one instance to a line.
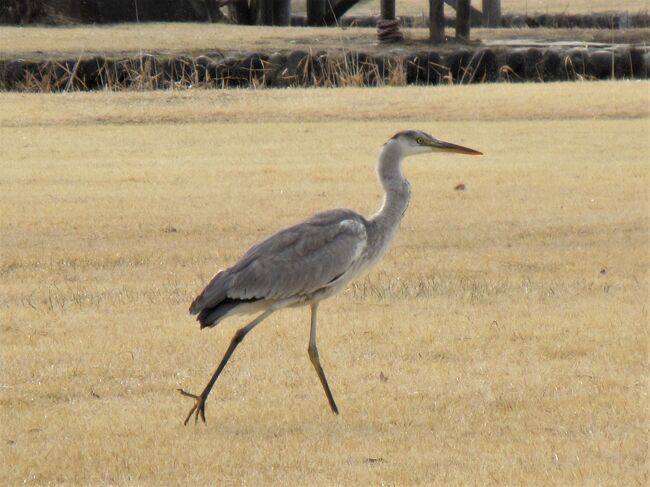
[397, 191]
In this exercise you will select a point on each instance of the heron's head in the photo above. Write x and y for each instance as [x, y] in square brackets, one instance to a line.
[412, 142]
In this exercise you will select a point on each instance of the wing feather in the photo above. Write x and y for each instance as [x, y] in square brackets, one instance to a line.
[293, 262]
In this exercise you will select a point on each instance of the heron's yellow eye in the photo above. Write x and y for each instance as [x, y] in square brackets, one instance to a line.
[419, 140]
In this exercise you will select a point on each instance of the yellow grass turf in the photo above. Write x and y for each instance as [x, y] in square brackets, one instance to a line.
[510, 319]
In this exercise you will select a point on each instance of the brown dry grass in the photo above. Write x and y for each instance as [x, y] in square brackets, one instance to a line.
[510, 319]
[36, 42]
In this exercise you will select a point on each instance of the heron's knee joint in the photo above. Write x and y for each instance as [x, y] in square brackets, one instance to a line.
[313, 353]
[239, 336]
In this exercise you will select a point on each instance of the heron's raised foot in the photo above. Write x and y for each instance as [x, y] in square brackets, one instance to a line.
[199, 406]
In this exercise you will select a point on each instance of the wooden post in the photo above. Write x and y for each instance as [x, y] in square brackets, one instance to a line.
[388, 9]
[315, 11]
[264, 14]
[437, 21]
[462, 19]
[491, 13]
[282, 12]
[241, 13]
[475, 15]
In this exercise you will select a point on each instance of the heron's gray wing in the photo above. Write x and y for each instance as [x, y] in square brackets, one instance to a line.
[293, 262]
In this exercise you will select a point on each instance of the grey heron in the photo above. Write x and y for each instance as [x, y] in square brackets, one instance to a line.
[303, 264]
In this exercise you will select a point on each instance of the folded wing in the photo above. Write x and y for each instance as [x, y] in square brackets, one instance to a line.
[294, 262]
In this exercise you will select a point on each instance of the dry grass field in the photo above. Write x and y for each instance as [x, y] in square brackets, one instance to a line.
[503, 340]
[44, 42]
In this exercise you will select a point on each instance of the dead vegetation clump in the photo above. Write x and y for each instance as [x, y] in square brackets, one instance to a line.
[322, 69]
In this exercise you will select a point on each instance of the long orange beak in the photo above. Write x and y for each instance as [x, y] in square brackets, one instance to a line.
[449, 147]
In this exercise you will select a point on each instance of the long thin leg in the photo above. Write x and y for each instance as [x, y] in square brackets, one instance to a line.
[199, 406]
[313, 355]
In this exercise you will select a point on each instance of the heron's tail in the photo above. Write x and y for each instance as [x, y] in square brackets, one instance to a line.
[213, 304]
[213, 315]
[209, 317]
[212, 295]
